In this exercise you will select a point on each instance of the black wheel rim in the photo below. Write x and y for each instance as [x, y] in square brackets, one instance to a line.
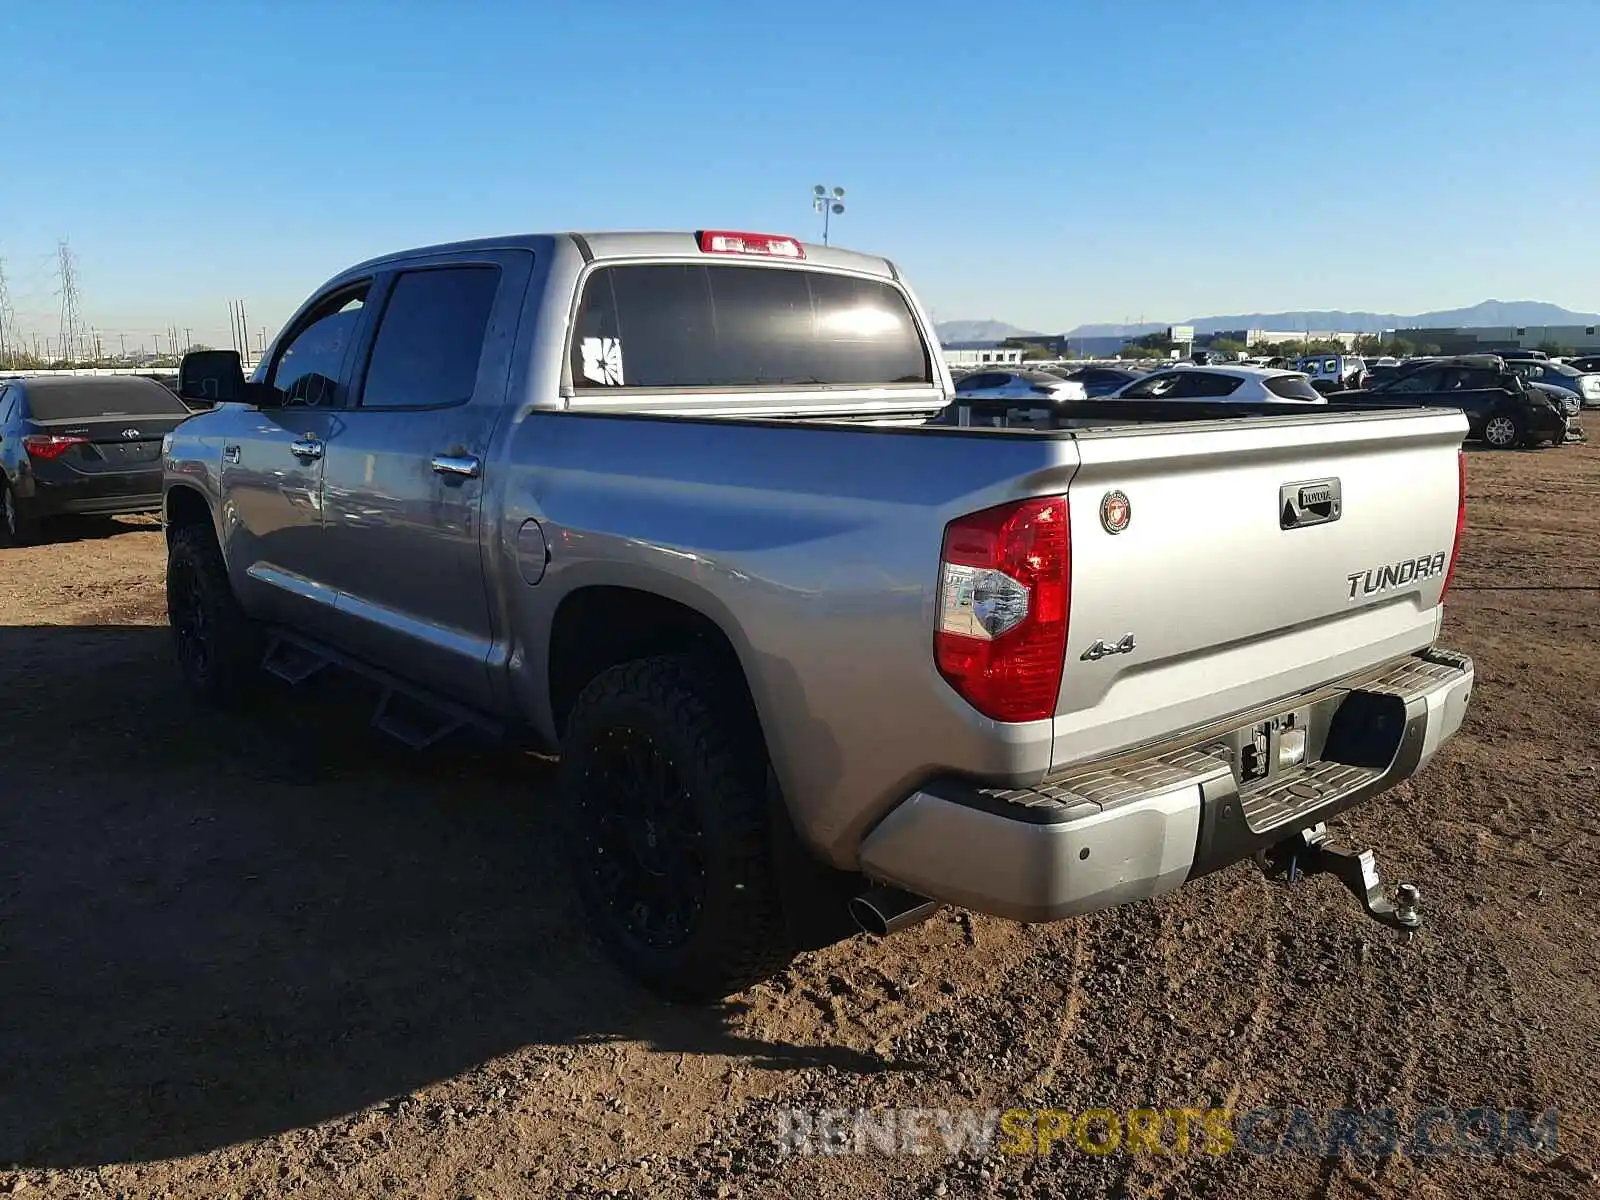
[642, 844]
[190, 619]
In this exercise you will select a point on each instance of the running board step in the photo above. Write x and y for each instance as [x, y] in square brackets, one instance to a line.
[408, 720]
[293, 662]
[412, 715]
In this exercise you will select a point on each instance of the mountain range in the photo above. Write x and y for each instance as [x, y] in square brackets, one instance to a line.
[1516, 313]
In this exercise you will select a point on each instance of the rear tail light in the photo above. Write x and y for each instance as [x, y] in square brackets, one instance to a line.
[1005, 587]
[722, 241]
[1461, 521]
[50, 445]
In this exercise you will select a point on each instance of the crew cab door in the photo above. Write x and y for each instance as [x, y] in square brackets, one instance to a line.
[404, 473]
[272, 465]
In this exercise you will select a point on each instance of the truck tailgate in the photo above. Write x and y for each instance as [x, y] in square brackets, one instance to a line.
[1230, 600]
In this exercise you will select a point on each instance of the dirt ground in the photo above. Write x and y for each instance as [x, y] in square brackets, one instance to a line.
[283, 957]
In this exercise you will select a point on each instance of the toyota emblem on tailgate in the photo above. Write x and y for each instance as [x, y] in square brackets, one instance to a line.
[130, 433]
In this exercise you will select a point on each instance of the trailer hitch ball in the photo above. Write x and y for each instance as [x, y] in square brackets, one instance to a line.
[1314, 852]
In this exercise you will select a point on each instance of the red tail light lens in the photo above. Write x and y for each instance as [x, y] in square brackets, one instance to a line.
[1005, 588]
[50, 445]
[1461, 521]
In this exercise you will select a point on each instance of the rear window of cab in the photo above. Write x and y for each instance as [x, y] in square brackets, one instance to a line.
[693, 325]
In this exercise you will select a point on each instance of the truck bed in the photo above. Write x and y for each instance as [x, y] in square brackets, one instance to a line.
[815, 545]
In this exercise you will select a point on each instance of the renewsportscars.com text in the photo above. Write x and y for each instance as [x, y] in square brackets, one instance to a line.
[1166, 1131]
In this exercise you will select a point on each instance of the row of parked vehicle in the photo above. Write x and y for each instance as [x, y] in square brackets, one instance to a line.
[1509, 402]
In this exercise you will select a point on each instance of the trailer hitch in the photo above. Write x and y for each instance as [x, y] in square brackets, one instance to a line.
[1314, 852]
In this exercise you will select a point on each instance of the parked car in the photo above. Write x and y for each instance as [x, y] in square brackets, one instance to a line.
[80, 444]
[1246, 385]
[1584, 386]
[1023, 386]
[1585, 363]
[1333, 372]
[1102, 381]
[1502, 409]
[687, 509]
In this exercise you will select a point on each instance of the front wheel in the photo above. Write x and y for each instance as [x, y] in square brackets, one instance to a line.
[218, 647]
[663, 786]
[1504, 431]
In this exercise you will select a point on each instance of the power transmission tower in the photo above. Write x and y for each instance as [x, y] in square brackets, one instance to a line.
[8, 320]
[71, 331]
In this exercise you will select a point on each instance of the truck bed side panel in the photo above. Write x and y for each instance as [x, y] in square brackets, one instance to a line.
[816, 550]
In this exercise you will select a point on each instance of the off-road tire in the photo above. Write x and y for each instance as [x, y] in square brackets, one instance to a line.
[228, 672]
[701, 722]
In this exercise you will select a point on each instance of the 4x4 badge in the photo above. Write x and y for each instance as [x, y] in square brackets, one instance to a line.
[1104, 649]
[1116, 510]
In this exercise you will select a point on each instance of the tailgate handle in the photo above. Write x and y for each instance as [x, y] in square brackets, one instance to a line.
[1310, 502]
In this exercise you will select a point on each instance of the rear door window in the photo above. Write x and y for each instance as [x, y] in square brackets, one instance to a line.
[431, 338]
[1415, 383]
[710, 326]
[1194, 385]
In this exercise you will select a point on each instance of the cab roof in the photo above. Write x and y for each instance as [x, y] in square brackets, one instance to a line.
[621, 245]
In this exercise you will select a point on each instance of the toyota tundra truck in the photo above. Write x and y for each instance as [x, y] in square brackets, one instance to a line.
[701, 515]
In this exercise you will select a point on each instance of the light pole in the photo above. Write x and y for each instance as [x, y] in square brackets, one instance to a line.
[830, 203]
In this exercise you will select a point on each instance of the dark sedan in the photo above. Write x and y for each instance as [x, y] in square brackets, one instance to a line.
[1502, 410]
[1102, 381]
[80, 444]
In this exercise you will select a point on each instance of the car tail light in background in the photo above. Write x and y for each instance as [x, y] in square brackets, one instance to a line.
[1461, 521]
[1005, 587]
[50, 445]
[769, 245]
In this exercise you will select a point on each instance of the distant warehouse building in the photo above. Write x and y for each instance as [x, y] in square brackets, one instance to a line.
[1486, 339]
[961, 355]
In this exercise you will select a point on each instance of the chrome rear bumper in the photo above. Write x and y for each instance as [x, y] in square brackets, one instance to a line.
[1141, 824]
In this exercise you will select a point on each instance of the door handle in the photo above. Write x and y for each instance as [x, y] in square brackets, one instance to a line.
[230, 454]
[306, 447]
[466, 466]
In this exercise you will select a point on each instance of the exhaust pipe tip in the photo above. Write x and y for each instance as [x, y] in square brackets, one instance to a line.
[886, 910]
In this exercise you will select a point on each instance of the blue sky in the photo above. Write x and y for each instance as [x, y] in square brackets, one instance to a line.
[1042, 163]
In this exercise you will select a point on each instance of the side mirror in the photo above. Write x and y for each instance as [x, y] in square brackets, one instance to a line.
[210, 377]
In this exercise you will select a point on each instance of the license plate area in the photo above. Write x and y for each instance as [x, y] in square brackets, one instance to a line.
[1275, 748]
[102, 456]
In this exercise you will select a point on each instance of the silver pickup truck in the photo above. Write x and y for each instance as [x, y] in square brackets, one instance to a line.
[699, 513]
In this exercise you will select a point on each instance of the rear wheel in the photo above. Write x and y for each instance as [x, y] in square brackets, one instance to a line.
[664, 792]
[218, 647]
[1505, 431]
[16, 528]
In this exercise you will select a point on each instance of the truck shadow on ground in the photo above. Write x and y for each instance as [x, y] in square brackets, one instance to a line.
[54, 531]
[217, 928]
